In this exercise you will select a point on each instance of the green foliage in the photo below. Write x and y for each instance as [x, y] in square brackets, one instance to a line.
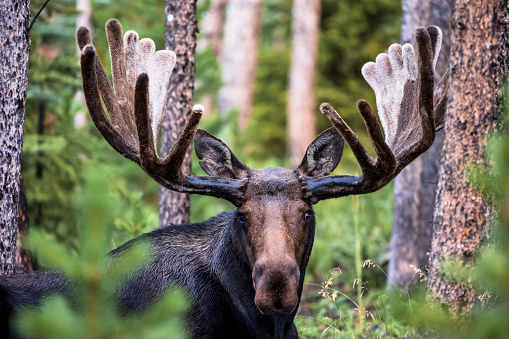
[91, 311]
[56, 152]
[208, 75]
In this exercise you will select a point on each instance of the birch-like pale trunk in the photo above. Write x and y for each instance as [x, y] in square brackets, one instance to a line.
[301, 122]
[239, 57]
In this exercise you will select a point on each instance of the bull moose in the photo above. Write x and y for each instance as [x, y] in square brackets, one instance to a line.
[244, 269]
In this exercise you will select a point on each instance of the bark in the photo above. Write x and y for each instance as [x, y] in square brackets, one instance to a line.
[239, 57]
[301, 104]
[415, 187]
[212, 27]
[23, 260]
[461, 214]
[180, 35]
[14, 49]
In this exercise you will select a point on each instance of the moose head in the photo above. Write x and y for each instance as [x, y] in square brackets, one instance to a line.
[274, 216]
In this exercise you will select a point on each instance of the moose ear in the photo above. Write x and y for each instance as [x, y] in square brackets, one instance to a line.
[323, 155]
[219, 159]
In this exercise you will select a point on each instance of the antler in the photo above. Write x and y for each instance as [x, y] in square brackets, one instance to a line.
[136, 110]
[407, 111]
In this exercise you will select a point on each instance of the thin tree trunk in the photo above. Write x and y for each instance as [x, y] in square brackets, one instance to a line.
[301, 121]
[212, 27]
[415, 187]
[180, 35]
[211, 30]
[14, 49]
[461, 214]
[84, 18]
[239, 57]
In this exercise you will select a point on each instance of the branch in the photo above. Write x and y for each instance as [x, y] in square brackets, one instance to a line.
[36, 16]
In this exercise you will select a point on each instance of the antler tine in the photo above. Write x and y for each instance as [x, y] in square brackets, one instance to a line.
[359, 151]
[92, 97]
[426, 79]
[170, 167]
[115, 111]
[372, 169]
[118, 64]
[122, 116]
[407, 110]
[168, 171]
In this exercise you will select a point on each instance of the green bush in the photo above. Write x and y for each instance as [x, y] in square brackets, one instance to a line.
[91, 310]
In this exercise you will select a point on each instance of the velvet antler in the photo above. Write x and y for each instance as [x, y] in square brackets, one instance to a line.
[408, 112]
[136, 108]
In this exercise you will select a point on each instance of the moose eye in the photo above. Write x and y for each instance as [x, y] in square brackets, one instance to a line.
[308, 215]
[241, 218]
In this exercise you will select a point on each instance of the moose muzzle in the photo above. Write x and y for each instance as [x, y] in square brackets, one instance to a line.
[276, 284]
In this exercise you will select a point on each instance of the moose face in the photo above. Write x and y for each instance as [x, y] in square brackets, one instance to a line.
[279, 230]
[277, 222]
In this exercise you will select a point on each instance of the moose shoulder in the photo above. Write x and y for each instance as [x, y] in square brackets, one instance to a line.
[243, 269]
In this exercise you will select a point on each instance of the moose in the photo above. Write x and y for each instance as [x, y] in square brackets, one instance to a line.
[244, 269]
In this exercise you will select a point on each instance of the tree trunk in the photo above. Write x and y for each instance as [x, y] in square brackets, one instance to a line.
[212, 27]
[14, 49]
[461, 214]
[180, 35]
[23, 260]
[301, 104]
[239, 57]
[83, 18]
[415, 186]
[211, 30]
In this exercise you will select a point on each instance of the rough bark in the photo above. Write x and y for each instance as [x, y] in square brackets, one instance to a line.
[415, 187]
[23, 260]
[301, 123]
[180, 35]
[14, 49]
[461, 214]
[239, 57]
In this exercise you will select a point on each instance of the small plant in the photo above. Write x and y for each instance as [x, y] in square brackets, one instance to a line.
[90, 309]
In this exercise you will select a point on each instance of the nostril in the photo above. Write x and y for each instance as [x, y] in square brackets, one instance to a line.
[257, 271]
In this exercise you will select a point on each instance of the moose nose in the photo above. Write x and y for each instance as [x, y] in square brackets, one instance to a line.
[276, 286]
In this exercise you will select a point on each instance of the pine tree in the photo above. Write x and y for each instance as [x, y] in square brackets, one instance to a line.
[15, 37]
[462, 215]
